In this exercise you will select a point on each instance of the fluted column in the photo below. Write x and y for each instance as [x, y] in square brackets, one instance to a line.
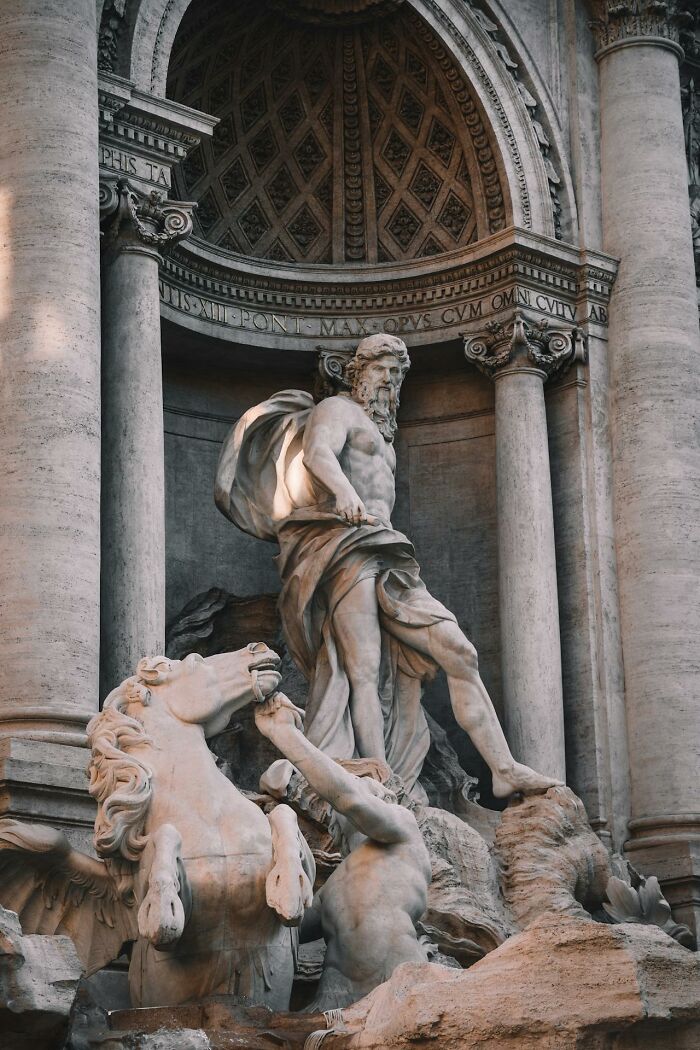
[138, 228]
[50, 368]
[654, 348]
[519, 357]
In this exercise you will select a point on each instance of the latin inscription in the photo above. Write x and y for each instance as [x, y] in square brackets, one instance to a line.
[123, 163]
[355, 327]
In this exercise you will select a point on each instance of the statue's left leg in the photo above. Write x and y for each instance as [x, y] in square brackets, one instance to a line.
[472, 705]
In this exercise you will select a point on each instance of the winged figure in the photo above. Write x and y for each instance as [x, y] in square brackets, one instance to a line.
[188, 869]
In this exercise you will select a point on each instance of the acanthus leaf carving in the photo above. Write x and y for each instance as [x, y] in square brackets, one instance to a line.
[525, 343]
[615, 21]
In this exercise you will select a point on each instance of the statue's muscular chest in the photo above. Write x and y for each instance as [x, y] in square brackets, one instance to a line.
[364, 441]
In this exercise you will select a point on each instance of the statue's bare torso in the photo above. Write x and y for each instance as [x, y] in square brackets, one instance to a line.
[369, 933]
[343, 450]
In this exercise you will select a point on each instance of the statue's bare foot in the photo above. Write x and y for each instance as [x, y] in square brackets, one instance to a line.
[520, 779]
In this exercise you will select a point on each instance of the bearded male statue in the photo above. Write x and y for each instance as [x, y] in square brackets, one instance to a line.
[357, 618]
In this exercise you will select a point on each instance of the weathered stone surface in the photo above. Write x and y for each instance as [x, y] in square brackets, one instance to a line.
[318, 479]
[551, 861]
[216, 1023]
[217, 622]
[561, 985]
[50, 396]
[39, 979]
[465, 916]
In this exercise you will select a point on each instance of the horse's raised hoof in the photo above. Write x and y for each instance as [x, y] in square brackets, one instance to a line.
[288, 893]
[161, 917]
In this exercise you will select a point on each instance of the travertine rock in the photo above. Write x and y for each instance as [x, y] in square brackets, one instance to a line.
[550, 858]
[465, 916]
[563, 984]
[38, 981]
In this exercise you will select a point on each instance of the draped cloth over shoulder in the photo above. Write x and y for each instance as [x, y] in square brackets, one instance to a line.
[263, 487]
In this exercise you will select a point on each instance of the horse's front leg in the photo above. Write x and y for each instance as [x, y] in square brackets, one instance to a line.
[289, 886]
[163, 912]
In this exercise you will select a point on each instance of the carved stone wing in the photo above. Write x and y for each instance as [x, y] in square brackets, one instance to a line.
[55, 889]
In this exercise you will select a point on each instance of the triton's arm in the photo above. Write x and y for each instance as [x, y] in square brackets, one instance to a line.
[325, 435]
[381, 821]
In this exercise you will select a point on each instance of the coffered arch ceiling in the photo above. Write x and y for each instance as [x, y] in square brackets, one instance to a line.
[351, 142]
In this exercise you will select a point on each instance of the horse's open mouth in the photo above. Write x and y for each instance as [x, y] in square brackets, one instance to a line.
[266, 665]
[264, 659]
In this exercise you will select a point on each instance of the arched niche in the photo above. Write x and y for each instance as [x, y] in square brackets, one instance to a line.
[481, 43]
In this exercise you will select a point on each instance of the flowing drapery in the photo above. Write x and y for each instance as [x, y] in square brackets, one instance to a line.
[263, 488]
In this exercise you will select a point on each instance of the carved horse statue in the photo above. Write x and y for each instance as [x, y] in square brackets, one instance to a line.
[190, 870]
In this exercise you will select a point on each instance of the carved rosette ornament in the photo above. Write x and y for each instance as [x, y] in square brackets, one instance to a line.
[137, 220]
[616, 22]
[520, 343]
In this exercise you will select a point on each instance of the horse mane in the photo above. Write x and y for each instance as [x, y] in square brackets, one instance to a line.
[119, 781]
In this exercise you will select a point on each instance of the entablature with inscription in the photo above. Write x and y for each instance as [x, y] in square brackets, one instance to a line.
[142, 137]
[268, 304]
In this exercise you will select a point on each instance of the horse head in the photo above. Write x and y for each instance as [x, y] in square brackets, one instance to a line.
[206, 691]
[198, 690]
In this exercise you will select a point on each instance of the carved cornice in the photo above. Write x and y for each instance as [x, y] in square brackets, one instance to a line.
[619, 22]
[521, 343]
[424, 302]
[133, 220]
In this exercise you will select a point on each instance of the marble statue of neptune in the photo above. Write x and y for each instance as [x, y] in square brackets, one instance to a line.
[318, 478]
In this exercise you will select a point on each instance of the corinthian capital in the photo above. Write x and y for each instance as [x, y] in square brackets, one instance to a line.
[520, 343]
[130, 218]
[618, 21]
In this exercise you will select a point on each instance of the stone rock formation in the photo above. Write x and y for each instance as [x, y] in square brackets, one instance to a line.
[39, 979]
[562, 984]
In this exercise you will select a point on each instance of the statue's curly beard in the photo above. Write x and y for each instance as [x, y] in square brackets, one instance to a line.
[380, 403]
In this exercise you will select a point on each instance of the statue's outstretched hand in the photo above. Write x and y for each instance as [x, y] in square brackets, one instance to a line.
[276, 711]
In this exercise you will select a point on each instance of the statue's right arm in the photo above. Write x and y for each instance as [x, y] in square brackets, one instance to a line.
[375, 818]
[325, 435]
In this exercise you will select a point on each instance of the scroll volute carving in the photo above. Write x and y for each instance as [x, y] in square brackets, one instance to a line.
[331, 372]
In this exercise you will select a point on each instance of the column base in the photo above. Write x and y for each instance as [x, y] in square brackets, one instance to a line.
[47, 783]
[671, 851]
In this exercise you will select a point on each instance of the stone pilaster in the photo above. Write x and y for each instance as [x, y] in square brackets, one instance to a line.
[138, 228]
[520, 356]
[654, 347]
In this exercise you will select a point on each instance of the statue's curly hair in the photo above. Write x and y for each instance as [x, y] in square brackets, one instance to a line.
[120, 782]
